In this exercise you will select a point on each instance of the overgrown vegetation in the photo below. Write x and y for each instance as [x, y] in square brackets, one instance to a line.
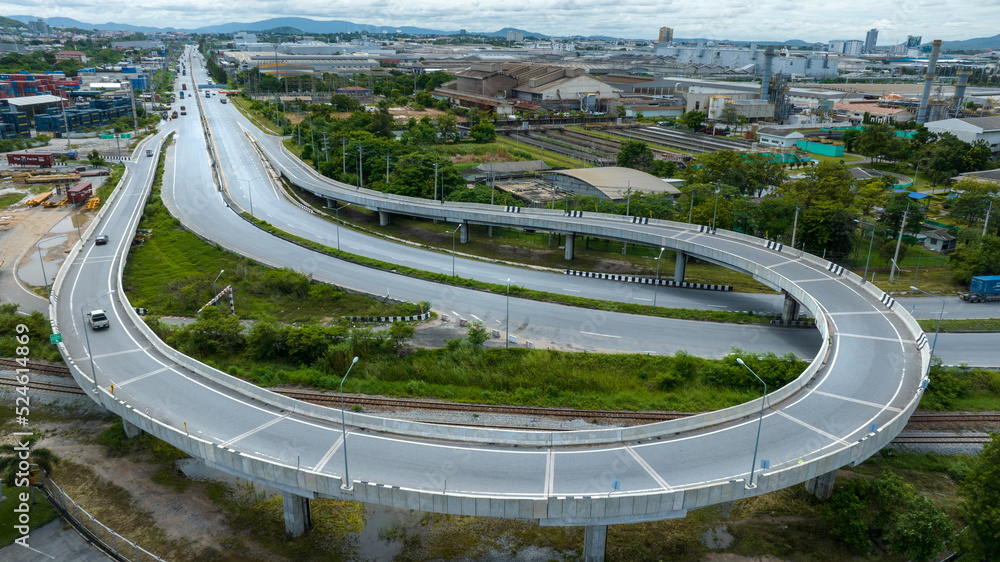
[962, 388]
[39, 330]
[173, 272]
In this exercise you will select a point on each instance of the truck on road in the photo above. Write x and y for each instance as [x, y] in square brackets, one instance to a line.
[98, 319]
[983, 288]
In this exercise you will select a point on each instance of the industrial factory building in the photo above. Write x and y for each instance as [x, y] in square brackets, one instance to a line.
[970, 130]
[751, 60]
[550, 87]
[611, 183]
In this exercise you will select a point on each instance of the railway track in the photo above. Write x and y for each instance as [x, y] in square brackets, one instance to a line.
[12, 365]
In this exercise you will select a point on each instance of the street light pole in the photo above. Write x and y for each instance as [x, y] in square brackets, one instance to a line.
[656, 285]
[346, 486]
[899, 241]
[214, 294]
[507, 321]
[337, 211]
[715, 210]
[760, 421]
[453, 249]
[86, 333]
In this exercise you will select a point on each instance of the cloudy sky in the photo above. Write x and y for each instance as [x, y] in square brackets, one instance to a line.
[714, 19]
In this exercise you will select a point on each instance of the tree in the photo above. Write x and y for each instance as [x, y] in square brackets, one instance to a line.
[477, 334]
[692, 119]
[95, 159]
[400, 332]
[10, 458]
[970, 260]
[483, 132]
[446, 126]
[981, 490]
[635, 154]
[382, 125]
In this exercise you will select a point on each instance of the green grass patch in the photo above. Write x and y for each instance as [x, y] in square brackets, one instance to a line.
[962, 389]
[40, 512]
[173, 273]
[26, 336]
[147, 448]
[551, 159]
[623, 137]
[846, 158]
[258, 118]
[961, 325]
[9, 199]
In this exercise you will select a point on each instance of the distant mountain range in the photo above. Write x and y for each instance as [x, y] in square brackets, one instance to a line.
[307, 26]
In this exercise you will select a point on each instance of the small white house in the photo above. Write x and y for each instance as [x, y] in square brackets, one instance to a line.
[780, 138]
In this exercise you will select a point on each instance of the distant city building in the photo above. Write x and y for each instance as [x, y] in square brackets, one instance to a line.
[244, 37]
[871, 40]
[71, 55]
[666, 35]
[140, 45]
[515, 36]
[39, 27]
[849, 48]
[810, 65]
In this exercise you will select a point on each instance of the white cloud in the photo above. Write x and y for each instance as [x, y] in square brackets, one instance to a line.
[719, 19]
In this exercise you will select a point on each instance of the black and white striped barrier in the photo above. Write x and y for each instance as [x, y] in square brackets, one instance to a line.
[647, 280]
[117, 158]
[794, 323]
[384, 319]
[771, 245]
[887, 300]
[512, 209]
[921, 341]
[704, 229]
[640, 220]
[835, 269]
[574, 214]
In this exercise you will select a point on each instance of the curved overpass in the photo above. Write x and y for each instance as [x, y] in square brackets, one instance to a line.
[854, 398]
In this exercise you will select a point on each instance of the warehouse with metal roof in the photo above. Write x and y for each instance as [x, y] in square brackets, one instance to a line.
[611, 183]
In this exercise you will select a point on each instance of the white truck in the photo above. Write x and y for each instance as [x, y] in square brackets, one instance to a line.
[98, 319]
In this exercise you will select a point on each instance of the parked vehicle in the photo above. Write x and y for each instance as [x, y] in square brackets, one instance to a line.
[149, 152]
[101, 240]
[983, 288]
[98, 319]
[173, 115]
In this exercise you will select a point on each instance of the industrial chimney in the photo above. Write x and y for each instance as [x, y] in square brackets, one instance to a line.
[765, 78]
[928, 79]
[963, 81]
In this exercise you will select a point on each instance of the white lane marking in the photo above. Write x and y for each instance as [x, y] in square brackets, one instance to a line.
[813, 428]
[817, 279]
[329, 454]
[853, 313]
[550, 473]
[601, 335]
[645, 465]
[457, 315]
[856, 401]
[124, 352]
[254, 430]
[571, 290]
[140, 377]
[718, 306]
[879, 338]
[640, 299]
[786, 262]
[476, 317]
[415, 441]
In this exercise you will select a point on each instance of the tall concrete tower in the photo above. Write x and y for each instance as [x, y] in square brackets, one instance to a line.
[928, 80]
[870, 40]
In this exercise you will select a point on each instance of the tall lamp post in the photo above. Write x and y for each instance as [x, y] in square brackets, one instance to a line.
[453, 249]
[507, 321]
[337, 211]
[343, 425]
[86, 333]
[715, 211]
[656, 285]
[870, 243]
[760, 421]
[214, 293]
[940, 316]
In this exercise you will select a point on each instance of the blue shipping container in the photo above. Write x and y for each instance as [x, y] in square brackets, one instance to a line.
[986, 285]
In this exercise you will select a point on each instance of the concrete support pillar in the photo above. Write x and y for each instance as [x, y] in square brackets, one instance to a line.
[790, 310]
[131, 430]
[570, 242]
[489, 231]
[595, 541]
[822, 485]
[297, 516]
[383, 218]
[463, 234]
[680, 267]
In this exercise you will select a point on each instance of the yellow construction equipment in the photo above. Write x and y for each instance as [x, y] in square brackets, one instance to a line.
[37, 200]
[52, 178]
[93, 203]
[61, 203]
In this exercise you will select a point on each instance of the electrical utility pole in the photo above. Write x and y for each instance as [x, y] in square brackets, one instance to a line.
[343, 156]
[899, 240]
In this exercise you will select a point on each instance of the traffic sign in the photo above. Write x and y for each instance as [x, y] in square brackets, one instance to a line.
[107, 136]
[126, 135]
[55, 338]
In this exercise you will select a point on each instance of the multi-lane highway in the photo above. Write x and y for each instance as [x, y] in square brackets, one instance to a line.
[869, 361]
